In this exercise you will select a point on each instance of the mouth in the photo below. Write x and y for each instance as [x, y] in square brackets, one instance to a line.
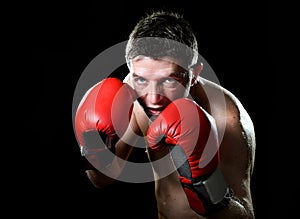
[154, 111]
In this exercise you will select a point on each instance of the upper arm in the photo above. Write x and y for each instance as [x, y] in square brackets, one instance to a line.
[237, 153]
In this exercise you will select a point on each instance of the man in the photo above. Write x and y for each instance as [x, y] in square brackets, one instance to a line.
[162, 56]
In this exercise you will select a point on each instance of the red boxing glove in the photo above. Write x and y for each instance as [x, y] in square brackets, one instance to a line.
[102, 118]
[192, 137]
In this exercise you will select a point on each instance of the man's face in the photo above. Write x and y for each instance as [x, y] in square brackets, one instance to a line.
[158, 82]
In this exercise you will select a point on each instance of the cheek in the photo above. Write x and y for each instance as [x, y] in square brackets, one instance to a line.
[176, 93]
[140, 93]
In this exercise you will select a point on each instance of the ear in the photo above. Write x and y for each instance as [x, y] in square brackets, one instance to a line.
[196, 72]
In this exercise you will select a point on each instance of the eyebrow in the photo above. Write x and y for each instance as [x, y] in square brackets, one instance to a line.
[179, 74]
[135, 75]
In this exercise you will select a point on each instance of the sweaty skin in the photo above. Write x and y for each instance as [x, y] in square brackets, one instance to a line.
[236, 137]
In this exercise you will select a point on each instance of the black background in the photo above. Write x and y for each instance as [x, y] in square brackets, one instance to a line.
[50, 45]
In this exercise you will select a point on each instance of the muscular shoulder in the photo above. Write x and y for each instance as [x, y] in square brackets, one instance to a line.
[235, 127]
[239, 133]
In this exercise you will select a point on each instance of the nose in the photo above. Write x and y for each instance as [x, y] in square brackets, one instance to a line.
[154, 94]
[154, 98]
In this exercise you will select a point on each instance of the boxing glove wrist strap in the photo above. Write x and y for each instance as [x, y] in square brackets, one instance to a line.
[213, 192]
[215, 188]
[95, 143]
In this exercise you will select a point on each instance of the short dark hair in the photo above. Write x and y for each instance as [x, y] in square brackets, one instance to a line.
[163, 33]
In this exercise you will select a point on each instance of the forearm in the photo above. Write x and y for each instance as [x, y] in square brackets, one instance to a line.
[98, 179]
[234, 209]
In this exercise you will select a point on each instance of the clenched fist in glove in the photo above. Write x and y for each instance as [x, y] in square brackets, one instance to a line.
[185, 129]
[102, 118]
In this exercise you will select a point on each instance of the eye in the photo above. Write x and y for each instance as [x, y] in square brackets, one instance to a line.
[169, 81]
[139, 80]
